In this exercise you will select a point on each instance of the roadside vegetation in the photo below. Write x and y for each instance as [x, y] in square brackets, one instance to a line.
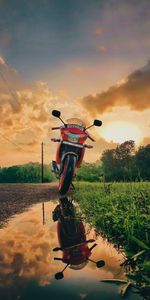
[120, 212]
[28, 173]
[124, 163]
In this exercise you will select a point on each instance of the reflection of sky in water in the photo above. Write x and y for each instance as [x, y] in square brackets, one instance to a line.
[27, 267]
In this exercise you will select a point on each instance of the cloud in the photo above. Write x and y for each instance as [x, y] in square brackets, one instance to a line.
[25, 253]
[26, 118]
[145, 141]
[25, 109]
[134, 92]
[2, 61]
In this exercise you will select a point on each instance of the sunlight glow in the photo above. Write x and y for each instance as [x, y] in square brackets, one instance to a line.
[120, 132]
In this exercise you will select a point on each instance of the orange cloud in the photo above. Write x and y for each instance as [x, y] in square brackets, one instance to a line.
[21, 107]
[2, 61]
[63, 93]
[134, 93]
[146, 141]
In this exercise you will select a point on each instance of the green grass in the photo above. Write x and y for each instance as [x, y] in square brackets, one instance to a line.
[121, 213]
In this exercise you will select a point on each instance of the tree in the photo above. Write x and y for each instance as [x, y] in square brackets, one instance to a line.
[119, 164]
[89, 172]
[143, 162]
[109, 165]
[125, 156]
[26, 173]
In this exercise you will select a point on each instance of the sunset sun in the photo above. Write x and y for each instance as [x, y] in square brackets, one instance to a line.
[120, 132]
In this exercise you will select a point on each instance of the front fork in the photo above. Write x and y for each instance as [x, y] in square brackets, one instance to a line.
[55, 168]
[59, 171]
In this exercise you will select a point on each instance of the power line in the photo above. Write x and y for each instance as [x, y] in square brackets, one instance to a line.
[13, 143]
[26, 151]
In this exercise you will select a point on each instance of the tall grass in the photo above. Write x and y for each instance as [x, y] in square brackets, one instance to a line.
[121, 213]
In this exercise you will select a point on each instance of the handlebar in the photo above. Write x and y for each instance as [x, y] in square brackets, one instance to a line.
[54, 128]
[55, 140]
[88, 146]
[91, 138]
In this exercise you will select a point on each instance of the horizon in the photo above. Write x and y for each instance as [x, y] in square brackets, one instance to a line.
[84, 161]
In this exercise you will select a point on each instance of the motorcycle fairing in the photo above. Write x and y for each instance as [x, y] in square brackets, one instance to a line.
[74, 135]
[73, 244]
[77, 254]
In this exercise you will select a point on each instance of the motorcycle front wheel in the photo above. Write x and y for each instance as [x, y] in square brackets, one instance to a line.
[67, 174]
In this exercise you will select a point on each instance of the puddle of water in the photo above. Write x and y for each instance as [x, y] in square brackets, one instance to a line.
[27, 266]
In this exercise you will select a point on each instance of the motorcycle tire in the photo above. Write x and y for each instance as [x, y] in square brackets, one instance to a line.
[67, 174]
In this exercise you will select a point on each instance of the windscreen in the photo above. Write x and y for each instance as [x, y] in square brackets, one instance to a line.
[76, 121]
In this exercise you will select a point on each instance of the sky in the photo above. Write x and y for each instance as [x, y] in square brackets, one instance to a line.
[89, 59]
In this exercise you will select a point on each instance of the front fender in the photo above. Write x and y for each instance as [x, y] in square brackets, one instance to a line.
[68, 153]
[64, 157]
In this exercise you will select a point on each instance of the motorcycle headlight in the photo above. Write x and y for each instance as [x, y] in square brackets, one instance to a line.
[74, 138]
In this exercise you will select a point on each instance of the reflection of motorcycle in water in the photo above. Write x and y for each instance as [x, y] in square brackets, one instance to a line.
[71, 149]
[72, 238]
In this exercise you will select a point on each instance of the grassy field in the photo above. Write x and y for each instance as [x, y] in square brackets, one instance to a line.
[121, 213]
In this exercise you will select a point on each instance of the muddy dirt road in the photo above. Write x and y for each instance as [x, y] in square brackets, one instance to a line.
[15, 198]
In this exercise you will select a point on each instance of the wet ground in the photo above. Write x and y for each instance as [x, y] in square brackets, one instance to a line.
[27, 265]
[15, 198]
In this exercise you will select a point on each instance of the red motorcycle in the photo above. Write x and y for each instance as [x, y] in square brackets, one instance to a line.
[72, 239]
[71, 149]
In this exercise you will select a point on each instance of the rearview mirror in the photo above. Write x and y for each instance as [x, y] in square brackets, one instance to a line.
[97, 123]
[100, 264]
[59, 276]
[56, 113]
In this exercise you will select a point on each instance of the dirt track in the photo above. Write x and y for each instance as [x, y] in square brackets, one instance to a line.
[15, 198]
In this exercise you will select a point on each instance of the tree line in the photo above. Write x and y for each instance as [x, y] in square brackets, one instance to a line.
[26, 173]
[124, 163]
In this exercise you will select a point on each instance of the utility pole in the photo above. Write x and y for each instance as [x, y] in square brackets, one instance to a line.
[43, 213]
[42, 162]
[42, 180]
